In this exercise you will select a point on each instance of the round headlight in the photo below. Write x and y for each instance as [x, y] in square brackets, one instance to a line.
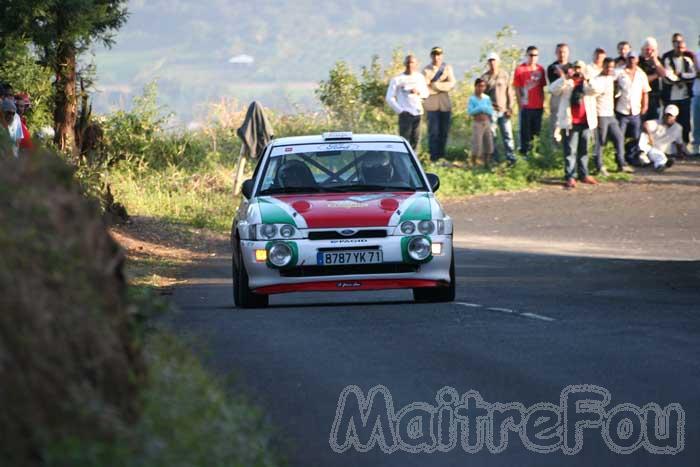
[426, 227]
[268, 230]
[419, 248]
[287, 231]
[280, 254]
[408, 227]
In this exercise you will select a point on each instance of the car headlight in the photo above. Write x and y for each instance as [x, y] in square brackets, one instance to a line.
[268, 230]
[280, 254]
[426, 227]
[408, 227]
[419, 248]
[287, 231]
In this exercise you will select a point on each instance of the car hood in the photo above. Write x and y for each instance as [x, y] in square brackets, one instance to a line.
[335, 210]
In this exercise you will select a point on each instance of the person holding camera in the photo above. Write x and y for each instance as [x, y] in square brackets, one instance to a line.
[576, 119]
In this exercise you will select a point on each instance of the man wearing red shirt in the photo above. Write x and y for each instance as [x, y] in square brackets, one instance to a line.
[529, 81]
[23, 103]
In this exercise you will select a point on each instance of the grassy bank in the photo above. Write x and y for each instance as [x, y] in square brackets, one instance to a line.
[86, 379]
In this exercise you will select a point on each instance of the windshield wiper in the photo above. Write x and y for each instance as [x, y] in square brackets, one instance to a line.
[291, 189]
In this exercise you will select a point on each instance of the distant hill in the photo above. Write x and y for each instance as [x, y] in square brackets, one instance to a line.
[280, 49]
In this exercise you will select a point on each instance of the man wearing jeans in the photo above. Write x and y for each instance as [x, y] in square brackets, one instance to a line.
[632, 102]
[405, 96]
[608, 128]
[441, 80]
[499, 88]
[529, 81]
[576, 118]
[696, 104]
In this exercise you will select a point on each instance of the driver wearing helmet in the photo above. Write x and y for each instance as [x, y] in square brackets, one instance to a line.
[376, 168]
[295, 174]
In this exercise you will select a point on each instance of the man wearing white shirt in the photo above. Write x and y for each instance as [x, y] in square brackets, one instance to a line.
[608, 128]
[13, 124]
[633, 101]
[662, 139]
[405, 96]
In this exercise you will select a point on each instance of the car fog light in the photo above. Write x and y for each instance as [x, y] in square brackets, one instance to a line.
[426, 227]
[287, 231]
[419, 248]
[436, 249]
[280, 254]
[268, 230]
[260, 256]
[408, 227]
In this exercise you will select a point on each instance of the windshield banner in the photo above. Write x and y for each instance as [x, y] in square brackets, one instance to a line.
[338, 146]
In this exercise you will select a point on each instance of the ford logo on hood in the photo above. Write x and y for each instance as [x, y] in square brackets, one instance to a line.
[348, 232]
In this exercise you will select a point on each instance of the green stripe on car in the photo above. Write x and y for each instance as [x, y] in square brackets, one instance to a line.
[270, 213]
[419, 210]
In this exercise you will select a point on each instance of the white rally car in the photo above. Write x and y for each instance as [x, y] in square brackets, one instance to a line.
[341, 212]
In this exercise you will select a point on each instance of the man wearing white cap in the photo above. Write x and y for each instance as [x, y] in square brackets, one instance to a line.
[662, 139]
[500, 89]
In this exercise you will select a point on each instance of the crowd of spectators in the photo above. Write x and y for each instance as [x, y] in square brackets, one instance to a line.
[646, 104]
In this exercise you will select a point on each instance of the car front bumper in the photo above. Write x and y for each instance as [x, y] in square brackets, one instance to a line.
[305, 275]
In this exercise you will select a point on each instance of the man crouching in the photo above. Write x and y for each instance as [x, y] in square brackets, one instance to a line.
[661, 141]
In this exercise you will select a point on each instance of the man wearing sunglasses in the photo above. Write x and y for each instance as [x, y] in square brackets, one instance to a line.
[677, 86]
[529, 81]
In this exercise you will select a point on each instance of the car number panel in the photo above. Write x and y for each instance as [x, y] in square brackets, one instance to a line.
[334, 258]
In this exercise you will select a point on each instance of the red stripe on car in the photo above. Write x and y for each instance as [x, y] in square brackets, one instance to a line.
[333, 210]
[349, 285]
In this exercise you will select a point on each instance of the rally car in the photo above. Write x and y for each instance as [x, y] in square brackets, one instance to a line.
[341, 212]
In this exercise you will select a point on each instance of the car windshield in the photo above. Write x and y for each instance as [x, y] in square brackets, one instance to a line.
[339, 168]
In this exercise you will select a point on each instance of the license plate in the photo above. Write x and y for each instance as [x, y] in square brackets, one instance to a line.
[349, 257]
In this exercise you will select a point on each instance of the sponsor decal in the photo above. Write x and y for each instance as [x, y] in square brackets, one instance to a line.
[346, 204]
[289, 149]
[348, 285]
[354, 240]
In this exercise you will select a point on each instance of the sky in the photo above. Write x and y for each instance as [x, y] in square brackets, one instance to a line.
[276, 51]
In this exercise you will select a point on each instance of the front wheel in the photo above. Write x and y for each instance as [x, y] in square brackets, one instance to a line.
[438, 294]
[243, 297]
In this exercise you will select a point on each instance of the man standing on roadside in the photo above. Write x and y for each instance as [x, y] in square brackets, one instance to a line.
[577, 118]
[553, 74]
[696, 103]
[651, 65]
[500, 89]
[677, 87]
[608, 128]
[633, 101]
[529, 81]
[623, 49]
[596, 67]
[441, 80]
[405, 96]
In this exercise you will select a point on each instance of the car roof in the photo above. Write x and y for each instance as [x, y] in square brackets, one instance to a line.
[292, 140]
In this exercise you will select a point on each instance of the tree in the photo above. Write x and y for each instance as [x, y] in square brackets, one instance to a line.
[341, 94]
[61, 30]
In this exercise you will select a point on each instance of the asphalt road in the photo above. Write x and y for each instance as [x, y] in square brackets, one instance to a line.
[554, 289]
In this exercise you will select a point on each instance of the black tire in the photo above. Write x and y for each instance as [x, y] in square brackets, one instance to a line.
[438, 294]
[243, 297]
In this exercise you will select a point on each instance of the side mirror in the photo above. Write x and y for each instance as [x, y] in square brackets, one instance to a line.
[247, 188]
[434, 181]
